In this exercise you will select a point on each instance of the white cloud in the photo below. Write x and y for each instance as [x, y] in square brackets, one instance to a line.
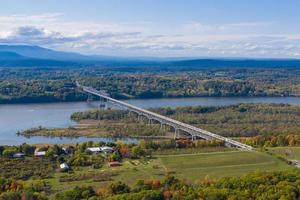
[148, 38]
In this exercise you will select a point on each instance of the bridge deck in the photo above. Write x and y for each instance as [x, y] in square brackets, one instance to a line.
[194, 131]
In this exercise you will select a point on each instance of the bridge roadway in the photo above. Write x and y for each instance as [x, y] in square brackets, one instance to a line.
[177, 125]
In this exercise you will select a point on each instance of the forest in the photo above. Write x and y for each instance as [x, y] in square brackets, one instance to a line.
[58, 84]
[240, 120]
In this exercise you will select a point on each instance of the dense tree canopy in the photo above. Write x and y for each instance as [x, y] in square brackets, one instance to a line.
[58, 84]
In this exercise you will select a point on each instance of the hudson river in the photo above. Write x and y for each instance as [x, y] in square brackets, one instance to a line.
[19, 117]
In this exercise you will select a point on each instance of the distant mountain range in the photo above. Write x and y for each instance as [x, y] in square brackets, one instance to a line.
[35, 56]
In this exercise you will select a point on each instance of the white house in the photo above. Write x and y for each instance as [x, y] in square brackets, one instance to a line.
[94, 149]
[40, 153]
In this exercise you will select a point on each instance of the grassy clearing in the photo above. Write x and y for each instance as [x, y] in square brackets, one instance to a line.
[216, 165]
[287, 152]
[129, 172]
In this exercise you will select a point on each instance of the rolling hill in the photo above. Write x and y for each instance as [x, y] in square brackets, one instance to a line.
[35, 56]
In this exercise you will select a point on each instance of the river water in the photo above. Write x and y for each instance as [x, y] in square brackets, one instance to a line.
[19, 117]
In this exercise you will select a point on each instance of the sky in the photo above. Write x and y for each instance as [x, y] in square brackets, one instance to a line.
[156, 28]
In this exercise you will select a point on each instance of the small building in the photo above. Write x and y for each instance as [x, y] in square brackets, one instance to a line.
[19, 155]
[94, 149]
[64, 167]
[114, 164]
[65, 150]
[68, 150]
[106, 149]
[40, 153]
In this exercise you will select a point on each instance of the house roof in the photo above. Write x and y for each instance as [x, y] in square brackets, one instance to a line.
[40, 153]
[64, 166]
[106, 148]
[19, 154]
[94, 149]
[114, 163]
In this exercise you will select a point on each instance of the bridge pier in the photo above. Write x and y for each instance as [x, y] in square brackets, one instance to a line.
[176, 133]
[90, 98]
[139, 117]
[102, 104]
[161, 126]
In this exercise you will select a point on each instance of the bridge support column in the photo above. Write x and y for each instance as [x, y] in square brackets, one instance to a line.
[176, 133]
[90, 98]
[140, 117]
[102, 104]
[161, 126]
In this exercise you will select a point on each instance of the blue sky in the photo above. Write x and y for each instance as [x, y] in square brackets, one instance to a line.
[165, 28]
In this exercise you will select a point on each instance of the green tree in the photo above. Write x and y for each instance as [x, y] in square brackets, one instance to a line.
[9, 152]
[118, 188]
[137, 152]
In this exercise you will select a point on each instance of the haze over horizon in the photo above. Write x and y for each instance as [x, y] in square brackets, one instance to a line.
[141, 28]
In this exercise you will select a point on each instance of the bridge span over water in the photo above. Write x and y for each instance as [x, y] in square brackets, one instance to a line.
[194, 132]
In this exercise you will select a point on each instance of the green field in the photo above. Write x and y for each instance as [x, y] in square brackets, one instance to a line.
[287, 152]
[193, 167]
[216, 165]
[190, 167]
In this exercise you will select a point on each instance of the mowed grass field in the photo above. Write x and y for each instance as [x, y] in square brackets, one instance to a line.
[287, 152]
[217, 165]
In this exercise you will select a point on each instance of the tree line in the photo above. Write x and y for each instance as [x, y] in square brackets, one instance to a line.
[58, 84]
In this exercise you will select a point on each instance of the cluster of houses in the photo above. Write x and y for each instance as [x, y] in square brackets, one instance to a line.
[105, 150]
[36, 153]
[68, 150]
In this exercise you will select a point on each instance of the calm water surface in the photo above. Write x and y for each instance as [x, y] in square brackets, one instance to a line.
[19, 117]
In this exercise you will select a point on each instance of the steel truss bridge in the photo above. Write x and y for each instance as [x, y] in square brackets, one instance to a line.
[194, 132]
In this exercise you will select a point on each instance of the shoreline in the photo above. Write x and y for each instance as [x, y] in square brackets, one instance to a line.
[138, 99]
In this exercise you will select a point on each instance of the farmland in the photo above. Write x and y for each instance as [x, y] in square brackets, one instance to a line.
[190, 167]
